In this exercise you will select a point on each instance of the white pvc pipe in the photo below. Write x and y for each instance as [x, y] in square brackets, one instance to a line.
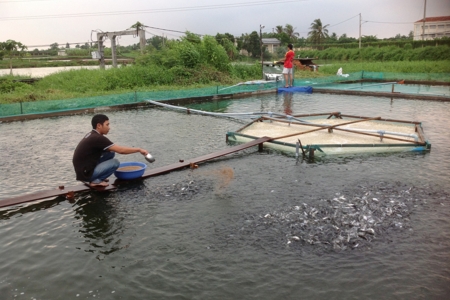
[361, 87]
[381, 132]
[216, 114]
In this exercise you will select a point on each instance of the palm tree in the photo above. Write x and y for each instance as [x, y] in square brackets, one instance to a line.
[318, 32]
[290, 31]
[279, 29]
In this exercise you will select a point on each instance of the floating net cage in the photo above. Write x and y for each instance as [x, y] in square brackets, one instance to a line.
[334, 133]
[39, 107]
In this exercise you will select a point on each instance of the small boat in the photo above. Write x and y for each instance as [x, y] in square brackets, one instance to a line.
[333, 133]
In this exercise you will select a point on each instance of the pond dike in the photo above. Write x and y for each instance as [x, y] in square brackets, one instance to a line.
[217, 97]
[392, 94]
[141, 104]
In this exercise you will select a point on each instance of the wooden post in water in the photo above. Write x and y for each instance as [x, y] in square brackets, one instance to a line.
[301, 147]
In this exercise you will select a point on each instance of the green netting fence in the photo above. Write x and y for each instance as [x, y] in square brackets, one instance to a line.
[38, 107]
[356, 76]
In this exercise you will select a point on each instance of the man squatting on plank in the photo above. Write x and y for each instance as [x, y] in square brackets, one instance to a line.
[93, 159]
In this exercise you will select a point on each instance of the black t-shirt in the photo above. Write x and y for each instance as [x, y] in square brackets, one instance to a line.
[88, 153]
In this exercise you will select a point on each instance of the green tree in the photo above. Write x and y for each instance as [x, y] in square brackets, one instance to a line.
[250, 42]
[189, 56]
[286, 35]
[54, 46]
[345, 39]
[156, 41]
[290, 32]
[254, 44]
[11, 48]
[227, 42]
[332, 38]
[220, 38]
[215, 54]
[192, 37]
[369, 38]
[279, 29]
[318, 32]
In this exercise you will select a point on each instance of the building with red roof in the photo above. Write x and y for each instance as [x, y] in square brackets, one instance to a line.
[432, 28]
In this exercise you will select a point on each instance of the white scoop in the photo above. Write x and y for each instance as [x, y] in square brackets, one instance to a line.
[149, 158]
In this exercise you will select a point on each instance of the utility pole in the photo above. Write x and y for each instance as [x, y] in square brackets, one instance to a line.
[261, 45]
[360, 30]
[424, 16]
[101, 51]
[101, 36]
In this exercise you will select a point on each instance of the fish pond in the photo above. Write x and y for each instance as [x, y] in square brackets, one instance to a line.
[251, 225]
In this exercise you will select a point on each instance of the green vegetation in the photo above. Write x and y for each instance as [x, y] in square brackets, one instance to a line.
[407, 53]
[318, 33]
[11, 48]
[190, 62]
[197, 62]
[152, 77]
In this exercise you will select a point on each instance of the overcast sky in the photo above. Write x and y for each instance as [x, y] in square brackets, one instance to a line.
[43, 22]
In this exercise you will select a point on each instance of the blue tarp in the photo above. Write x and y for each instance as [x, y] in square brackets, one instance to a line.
[296, 89]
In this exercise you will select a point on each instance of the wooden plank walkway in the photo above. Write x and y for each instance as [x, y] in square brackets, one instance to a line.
[69, 191]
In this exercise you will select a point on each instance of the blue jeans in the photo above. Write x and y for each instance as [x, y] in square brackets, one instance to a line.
[106, 166]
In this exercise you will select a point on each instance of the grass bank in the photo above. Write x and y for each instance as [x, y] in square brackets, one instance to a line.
[89, 83]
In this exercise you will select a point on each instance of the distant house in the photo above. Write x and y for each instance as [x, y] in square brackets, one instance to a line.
[435, 27]
[62, 53]
[272, 44]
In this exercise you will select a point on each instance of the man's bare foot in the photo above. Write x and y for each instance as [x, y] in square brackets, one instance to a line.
[100, 184]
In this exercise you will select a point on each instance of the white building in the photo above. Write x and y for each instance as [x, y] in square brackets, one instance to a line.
[271, 43]
[435, 27]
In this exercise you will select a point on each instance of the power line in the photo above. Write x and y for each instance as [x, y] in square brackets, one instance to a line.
[343, 21]
[390, 22]
[98, 30]
[24, 1]
[60, 44]
[168, 30]
[151, 11]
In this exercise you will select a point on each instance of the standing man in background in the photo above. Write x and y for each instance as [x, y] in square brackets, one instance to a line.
[287, 67]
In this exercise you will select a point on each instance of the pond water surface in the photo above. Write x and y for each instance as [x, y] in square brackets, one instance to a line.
[226, 230]
[42, 72]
